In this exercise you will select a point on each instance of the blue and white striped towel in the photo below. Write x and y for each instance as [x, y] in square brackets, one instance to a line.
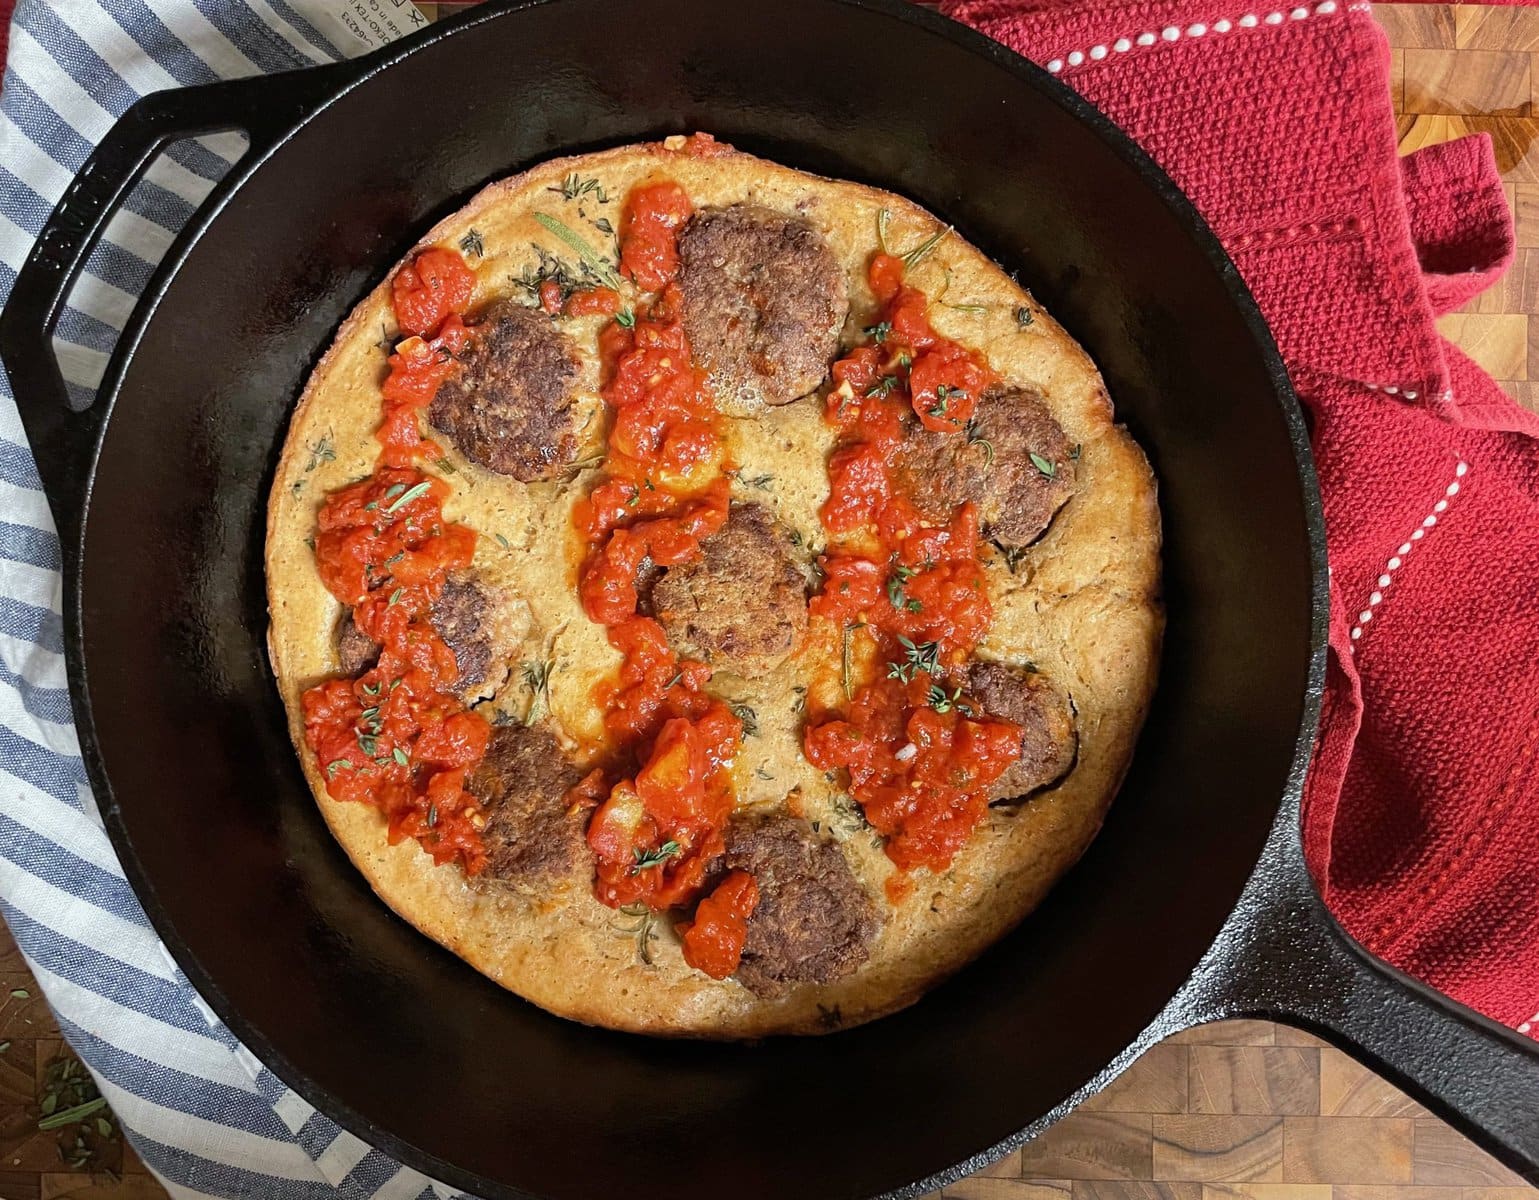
[203, 1113]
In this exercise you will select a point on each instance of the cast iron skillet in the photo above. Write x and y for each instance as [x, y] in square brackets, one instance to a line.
[1194, 904]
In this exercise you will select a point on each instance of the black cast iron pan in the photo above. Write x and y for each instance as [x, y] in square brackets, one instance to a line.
[1194, 904]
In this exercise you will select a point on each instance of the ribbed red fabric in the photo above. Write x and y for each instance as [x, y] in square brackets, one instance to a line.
[1422, 810]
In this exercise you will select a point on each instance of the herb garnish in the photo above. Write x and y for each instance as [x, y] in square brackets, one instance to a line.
[1045, 465]
[321, 452]
[747, 716]
[471, 243]
[599, 265]
[975, 438]
[1013, 555]
[883, 219]
[900, 576]
[761, 482]
[882, 387]
[644, 930]
[878, 332]
[1023, 317]
[646, 859]
[405, 497]
[625, 319]
[401, 756]
[574, 187]
[503, 542]
[924, 656]
[1074, 453]
[941, 702]
[923, 251]
[537, 680]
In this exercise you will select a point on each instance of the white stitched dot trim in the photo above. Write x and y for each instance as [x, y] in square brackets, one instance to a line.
[1174, 33]
[1528, 1025]
[1391, 389]
[1397, 560]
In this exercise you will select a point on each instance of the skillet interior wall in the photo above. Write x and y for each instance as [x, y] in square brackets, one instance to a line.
[192, 733]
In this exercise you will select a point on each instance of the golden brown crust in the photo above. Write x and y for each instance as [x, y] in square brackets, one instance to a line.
[1081, 603]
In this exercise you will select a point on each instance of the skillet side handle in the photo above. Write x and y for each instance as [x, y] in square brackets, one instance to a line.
[1283, 956]
[267, 108]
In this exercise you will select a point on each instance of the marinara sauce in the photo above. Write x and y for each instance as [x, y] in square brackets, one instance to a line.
[920, 755]
[656, 831]
[398, 737]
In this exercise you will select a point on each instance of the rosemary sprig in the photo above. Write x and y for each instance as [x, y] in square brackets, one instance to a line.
[596, 262]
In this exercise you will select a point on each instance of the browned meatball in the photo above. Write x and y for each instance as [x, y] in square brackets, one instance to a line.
[742, 605]
[530, 837]
[355, 648]
[764, 300]
[510, 408]
[459, 617]
[993, 466]
[1049, 742]
[814, 922]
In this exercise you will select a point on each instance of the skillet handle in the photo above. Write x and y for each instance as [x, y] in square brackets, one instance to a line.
[1282, 956]
[267, 108]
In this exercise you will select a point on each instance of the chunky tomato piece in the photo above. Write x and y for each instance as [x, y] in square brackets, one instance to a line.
[433, 285]
[649, 251]
[713, 941]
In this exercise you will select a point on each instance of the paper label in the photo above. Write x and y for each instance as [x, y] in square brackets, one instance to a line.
[358, 26]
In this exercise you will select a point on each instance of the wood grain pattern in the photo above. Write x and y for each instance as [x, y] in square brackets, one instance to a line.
[1228, 1111]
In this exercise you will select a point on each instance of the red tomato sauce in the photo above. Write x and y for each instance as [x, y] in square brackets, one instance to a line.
[659, 827]
[397, 737]
[920, 755]
[713, 941]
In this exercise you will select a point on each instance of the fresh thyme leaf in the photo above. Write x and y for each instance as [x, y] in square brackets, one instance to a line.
[924, 656]
[432, 816]
[1046, 466]
[1023, 317]
[407, 496]
[882, 387]
[747, 716]
[400, 756]
[758, 771]
[553, 269]
[1074, 453]
[395, 598]
[878, 332]
[321, 452]
[471, 243]
[646, 859]
[537, 680]
[644, 930]
[600, 265]
[674, 681]
[625, 319]
[335, 765]
[941, 702]
[925, 248]
[447, 467]
[503, 542]
[575, 187]
[20, 994]
[635, 498]
[367, 742]
[975, 438]
[761, 482]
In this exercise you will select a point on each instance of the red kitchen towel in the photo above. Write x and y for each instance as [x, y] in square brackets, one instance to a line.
[1422, 808]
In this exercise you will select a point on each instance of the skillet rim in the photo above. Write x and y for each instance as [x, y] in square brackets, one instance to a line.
[351, 75]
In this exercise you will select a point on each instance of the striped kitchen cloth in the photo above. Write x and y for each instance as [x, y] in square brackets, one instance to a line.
[206, 1116]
